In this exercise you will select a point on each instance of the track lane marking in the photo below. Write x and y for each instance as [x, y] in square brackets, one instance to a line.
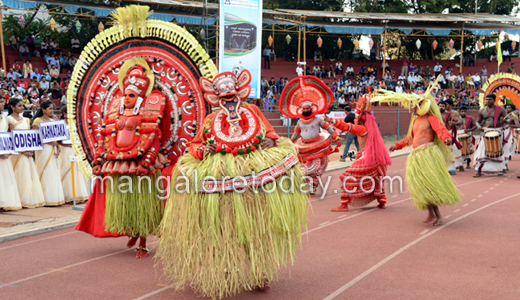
[43, 239]
[156, 292]
[409, 245]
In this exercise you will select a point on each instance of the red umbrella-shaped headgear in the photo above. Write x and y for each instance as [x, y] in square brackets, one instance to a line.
[302, 91]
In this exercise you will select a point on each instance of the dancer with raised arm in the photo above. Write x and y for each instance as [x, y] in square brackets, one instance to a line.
[429, 182]
[305, 97]
[372, 160]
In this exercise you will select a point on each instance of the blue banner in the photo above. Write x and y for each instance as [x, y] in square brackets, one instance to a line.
[27, 140]
[6, 143]
[240, 39]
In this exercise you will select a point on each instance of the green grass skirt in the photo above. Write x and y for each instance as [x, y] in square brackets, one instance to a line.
[428, 179]
[132, 211]
[223, 243]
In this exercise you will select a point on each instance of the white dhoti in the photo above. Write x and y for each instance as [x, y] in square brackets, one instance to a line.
[509, 146]
[484, 164]
[457, 156]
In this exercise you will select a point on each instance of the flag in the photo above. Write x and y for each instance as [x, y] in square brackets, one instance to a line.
[499, 53]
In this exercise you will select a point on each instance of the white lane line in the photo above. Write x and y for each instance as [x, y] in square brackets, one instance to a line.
[411, 244]
[156, 292]
[424, 231]
[485, 192]
[447, 217]
[491, 188]
[479, 196]
[342, 216]
[472, 200]
[325, 223]
[465, 205]
[43, 239]
[456, 211]
[67, 267]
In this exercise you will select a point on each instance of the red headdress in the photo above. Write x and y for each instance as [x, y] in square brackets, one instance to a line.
[137, 80]
[227, 90]
[305, 90]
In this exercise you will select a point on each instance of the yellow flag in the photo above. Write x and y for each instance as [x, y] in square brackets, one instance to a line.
[499, 53]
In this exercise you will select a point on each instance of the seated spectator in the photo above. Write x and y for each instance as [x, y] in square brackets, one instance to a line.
[331, 71]
[476, 80]
[279, 85]
[22, 86]
[72, 62]
[15, 42]
[288, 56]
[323, 71]
[265, 84]
[17, 95]
[493, 54]
[317, 55]
[411, 69]
[24, 51]
[55, 89]
[27, 69]
[469, 82]
[64, 64]
[448, 72]
[460, 81]
[339, 67]
[419, 80]
[13, 75]
[350, 70]
[44, 86]
[316, 70]
[471, 60]
[45, 46]
[372, 79]
[363, 70]
[75, 44]
[452, 81]
[370, 70]
[272, 85]
[334, 90]
[17, 67]
[505, 54]
[386, 66]
[342, 101]
[35, 82]
[29, 40]
[399, 88]
[55, 74]
[411, 81]
[54, 45]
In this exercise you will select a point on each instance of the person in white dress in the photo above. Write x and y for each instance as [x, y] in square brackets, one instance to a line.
[31, 193]
[47, 162]
[66, 170]
[9, 197]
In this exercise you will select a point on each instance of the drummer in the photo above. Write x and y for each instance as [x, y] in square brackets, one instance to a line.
[469, 125]
[510, 122]
[452, 120]
[489, 118]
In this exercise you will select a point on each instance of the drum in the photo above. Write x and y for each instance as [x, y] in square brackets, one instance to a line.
[493, 142]
[517, 140]
[465, 141]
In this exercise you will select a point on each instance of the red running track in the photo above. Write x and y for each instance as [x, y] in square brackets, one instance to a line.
[367, 253]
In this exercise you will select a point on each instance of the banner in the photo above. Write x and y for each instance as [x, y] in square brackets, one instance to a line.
[27, 140]
[53, 131]
[6, 143]
[240, 39]
[67, 141]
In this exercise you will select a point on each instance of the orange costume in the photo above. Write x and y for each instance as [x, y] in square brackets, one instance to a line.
[371, 161]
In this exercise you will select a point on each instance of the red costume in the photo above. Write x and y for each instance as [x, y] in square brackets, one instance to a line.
[371, 161]
[304, 98]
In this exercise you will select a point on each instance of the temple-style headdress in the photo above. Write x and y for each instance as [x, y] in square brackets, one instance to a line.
[305, 90]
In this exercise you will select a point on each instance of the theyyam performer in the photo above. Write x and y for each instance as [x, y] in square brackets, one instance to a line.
[429, 182]
[130, 114]
[371, 162]
[232, 219]
[304, 98]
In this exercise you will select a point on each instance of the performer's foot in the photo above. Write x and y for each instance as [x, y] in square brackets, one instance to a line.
[500, 174]
[131, 242]
[342, 160]
[461, 169]
[477, 175]
[265, 286]
[468, 167]
[341, 208]
[382, 205]
[141, 252]
[430, 219]
[438, 222]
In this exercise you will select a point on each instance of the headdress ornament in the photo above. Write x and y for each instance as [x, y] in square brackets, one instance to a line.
[227, 90]
[305, 90]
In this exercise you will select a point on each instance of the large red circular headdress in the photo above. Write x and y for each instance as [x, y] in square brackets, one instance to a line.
[305, 90]
[174, 59]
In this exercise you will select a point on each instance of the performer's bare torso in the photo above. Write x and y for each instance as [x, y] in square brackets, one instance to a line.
[488, 117]
[310, 130]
